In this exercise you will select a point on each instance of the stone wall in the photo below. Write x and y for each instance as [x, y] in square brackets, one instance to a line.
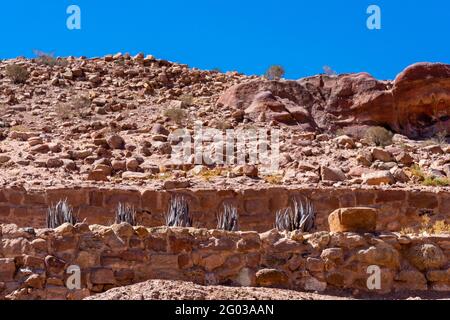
[34, 263]
[397, 208]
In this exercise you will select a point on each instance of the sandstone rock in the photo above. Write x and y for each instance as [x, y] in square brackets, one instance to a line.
[403, 105]
[382, 155]
[345, 141]
[97, 175]
[115, 142]
[405, 159]
[332, 174]
[271, 278]
[102, 276]
[378, 178]
[411, 280]
[382, 255]
[7, 269]
[250, 171]
[353, 220]
[426, 257]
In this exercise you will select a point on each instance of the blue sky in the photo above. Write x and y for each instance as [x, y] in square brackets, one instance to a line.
[243, 35]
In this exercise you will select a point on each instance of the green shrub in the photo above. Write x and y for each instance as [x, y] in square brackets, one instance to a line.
[275, 72]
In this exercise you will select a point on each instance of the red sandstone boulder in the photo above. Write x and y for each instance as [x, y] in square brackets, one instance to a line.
[271, 278]
[415, 104]
[353, 220]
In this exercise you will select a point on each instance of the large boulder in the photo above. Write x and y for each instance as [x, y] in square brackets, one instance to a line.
[357, 219]
[416, 104]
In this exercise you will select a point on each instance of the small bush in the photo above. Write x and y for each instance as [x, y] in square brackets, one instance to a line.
[125, 213]
[47, 59]
[328, 71]
[60, 214]
[427, 227]
[275, 72]
[178, 214]
[436, 181]
[187, 99]
[80, 102]
[379, 136]
[441, 137]
[176, 114]
[228, 219]
[17, 73]
[299, 216]
[274, 179]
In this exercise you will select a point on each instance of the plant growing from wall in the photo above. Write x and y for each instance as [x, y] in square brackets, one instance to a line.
[299, 216]
[125, 213]
[228, 218]
[59, 214]
[178, 214]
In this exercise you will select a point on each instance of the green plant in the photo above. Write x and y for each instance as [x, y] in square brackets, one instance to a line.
[299, 216]
[228, 218]
[125, 213]
[416, 171]
[436, 181]
[17, 73]
[379, 136]
[275, 72]
[61, 213]
[178, 214]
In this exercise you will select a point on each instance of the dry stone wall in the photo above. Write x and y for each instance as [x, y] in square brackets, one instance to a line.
[397, 208]
[34, 263]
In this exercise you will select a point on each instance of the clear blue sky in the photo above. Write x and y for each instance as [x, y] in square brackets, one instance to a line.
[243, 35]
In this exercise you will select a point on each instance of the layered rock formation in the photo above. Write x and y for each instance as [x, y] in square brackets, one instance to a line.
[416, 103]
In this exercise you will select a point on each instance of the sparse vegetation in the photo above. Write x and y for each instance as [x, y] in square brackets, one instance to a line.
[436, 181]
[176, 114]
[379, 136]
[328, 71]
[428, 180]
[441, 137]
[47, 59]
[228, 218]
[299, 216]
[187, 99]
[125, 213]
[59, 214]
[80, 102]
[275, 72]
[427, 227]
[17, 73]
[178, 214]
[274, 179]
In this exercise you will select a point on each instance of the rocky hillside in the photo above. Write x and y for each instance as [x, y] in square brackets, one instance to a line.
[109, 120]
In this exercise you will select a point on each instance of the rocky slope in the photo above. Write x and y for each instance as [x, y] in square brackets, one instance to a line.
[110, 121]
[179, 290]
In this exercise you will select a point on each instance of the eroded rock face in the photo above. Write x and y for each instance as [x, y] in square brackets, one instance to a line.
[415, 104]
